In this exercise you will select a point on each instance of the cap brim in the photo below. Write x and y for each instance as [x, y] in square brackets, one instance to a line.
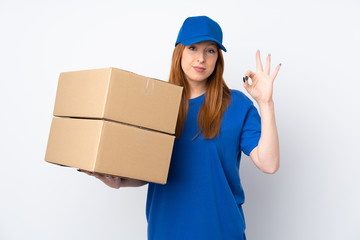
[188, 42]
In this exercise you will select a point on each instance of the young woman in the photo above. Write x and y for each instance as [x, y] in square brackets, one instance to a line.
[203, 196]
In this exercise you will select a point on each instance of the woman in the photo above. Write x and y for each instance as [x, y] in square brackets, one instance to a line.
[203, 196]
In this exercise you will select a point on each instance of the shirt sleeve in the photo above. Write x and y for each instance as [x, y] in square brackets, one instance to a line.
[251, 131]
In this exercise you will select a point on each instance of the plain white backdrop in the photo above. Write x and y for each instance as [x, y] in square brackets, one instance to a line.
[314, 195]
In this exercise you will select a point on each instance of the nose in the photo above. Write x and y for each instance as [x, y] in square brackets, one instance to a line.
[201, 57]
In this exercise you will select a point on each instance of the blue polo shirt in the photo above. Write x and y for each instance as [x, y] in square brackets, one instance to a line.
[203, 197]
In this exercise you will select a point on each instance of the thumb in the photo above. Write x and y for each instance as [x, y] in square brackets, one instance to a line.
[247, 86]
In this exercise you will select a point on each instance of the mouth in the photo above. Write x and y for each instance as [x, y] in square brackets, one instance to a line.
[199, 69]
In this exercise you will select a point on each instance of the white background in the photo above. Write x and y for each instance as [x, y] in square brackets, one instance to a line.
[314, 195]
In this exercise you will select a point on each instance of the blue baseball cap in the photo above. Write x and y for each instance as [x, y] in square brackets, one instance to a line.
[199, 29]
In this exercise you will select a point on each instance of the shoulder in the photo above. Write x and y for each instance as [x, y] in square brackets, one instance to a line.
[239, 98]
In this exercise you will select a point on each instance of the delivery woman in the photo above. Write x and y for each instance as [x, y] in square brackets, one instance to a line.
[203, 196]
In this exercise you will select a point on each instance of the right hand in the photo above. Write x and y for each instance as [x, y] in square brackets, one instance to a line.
[111, 181]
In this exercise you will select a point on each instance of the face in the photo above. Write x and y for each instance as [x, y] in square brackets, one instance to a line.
[198, 61]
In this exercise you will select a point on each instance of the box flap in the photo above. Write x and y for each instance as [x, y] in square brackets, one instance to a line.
[143, 101]
[82, 93]
[133, 152]
[74, 142]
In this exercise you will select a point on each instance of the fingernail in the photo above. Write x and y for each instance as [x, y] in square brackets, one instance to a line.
[246, 78]
[269, 54]
[243, 79]
[280, 64]
[258, 50]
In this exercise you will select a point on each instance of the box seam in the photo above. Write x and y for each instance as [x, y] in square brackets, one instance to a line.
[98, 145]
[107, 94]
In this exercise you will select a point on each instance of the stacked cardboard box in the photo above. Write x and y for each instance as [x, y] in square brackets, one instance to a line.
[114, 122]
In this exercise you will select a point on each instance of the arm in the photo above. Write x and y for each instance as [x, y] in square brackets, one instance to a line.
[266, 155]
[114, 181]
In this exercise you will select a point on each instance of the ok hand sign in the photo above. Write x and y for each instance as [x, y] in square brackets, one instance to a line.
[261, 88]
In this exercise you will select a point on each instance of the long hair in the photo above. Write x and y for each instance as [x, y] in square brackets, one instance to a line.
[217, 96]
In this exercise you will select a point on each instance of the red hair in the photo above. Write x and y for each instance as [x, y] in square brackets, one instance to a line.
[217, 96]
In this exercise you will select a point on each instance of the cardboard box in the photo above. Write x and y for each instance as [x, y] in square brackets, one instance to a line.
[114, 122]
[110, 148]
[118, 95]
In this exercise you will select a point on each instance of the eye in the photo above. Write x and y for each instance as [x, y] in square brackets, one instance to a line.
[211, 50]
[192, 48]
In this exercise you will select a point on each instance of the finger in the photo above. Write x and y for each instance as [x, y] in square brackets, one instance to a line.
[259, 67]
[267, 65]
[250, 74]
[274, 74]
[102, 176]
[247, 86]
[107, 178]
[111, 178]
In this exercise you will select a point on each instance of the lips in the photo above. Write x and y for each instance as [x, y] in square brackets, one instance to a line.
[199, 69]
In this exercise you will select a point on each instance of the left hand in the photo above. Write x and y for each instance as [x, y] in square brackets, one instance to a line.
[261, 88]
[111, 181]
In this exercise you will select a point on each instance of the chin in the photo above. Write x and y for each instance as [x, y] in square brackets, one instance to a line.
[197, 79]
[202, 80]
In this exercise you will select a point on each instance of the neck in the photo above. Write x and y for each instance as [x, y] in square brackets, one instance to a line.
[197, 89]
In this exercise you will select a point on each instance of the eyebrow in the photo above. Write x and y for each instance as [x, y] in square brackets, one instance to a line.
[212, 44]
[209, 44]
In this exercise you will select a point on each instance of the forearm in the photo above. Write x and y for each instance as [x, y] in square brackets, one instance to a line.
[127, 182]
[268, 148]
